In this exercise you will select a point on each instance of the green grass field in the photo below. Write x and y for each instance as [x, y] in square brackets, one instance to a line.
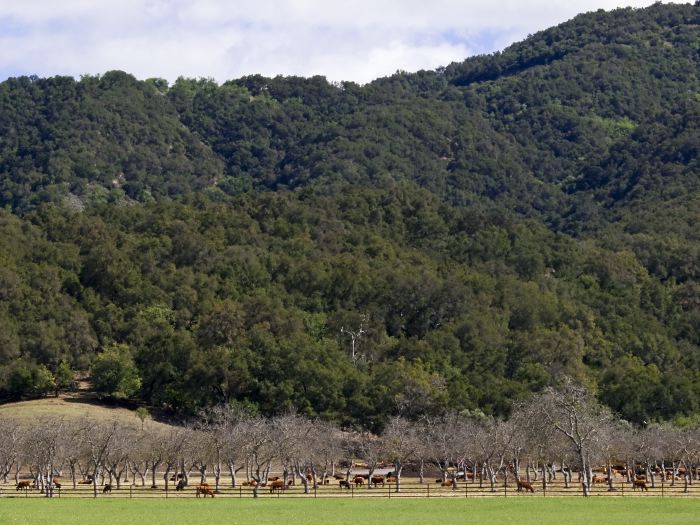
[521, 511]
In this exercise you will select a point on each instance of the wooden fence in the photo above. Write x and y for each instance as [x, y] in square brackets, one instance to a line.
[409, 489]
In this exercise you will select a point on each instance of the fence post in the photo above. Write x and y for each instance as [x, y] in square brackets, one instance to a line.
[315, 488]
[466, 489]
[352, 491]
[389, 490]
[428, 489]
[240, 492]
[131, 487]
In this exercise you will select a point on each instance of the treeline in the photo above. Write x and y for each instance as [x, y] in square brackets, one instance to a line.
[560, 431]
[190, 305]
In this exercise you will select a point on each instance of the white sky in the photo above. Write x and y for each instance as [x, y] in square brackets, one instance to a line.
[350, 40]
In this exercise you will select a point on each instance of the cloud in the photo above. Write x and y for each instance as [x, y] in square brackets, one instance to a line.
[357, 40]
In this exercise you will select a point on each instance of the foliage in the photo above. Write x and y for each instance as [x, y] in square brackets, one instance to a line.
[496, 224]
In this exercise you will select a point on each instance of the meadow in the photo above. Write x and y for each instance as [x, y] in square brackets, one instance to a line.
[339, 511]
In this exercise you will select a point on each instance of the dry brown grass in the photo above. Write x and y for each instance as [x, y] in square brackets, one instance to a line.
[70, 407]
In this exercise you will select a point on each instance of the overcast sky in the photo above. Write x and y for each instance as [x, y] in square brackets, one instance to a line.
[344, 40]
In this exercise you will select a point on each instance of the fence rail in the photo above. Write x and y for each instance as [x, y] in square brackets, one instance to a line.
[409, 489]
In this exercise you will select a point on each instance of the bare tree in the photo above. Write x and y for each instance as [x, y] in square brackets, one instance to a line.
[227, 428]
[572, 411]
[176, 449]
[369, 449]
[443, 440]
[117, 456]
[261, 449]
[356, 335]
[96, 438]
[12, 436]
[400, 443]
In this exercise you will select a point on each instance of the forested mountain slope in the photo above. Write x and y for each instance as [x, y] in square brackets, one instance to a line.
[481, 230]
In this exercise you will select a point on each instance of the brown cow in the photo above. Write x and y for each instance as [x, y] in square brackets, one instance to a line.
[524, 485]
[359, 481]
[249, 483]
[23, 485]
[447, 483]
[641, 484]
[107, 488]
[391, 479]
[277, 485]
[273, 479]
[204, 490]
[376, 480]
[600, 479]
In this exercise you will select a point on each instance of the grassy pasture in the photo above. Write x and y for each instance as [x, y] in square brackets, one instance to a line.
[521, 511]
[70, 407]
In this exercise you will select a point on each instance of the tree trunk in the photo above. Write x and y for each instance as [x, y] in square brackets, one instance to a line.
[232, 470]
[154, 484]
[398, 467]
[544, 478]
[95, 476]
[585, 481]
[421, 472]
[166, 476]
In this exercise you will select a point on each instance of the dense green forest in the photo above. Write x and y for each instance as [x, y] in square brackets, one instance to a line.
[473, 233]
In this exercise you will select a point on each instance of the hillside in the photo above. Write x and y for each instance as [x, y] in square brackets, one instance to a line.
[481, 229]
[72, 409]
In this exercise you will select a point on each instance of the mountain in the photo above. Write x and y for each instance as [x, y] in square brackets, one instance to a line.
[472, 233]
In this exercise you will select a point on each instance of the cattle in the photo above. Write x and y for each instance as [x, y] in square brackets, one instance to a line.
[640, 477]
[107, 488]
[452, 483]
[56, 484]
[600, 479]
[277, 485]
[204, 490]
[376, 480]
[290, 482]
[526, 485]
[344, 484]
[85, 482]
[23, 485]
[180, 485]
[358, 481]
[391, 479]
[326, 481]
[338, 476]
[250, 483]
[273, 479]
[309, 477]
[641, 484]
